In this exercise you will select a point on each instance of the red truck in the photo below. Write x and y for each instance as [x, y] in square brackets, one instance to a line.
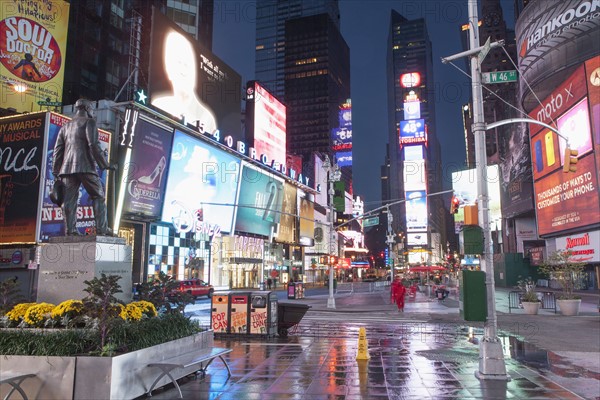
[196, 287]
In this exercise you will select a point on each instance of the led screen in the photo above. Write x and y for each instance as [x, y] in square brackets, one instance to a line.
[201, 185]
[565, 201]
[344, 158]
[188, 81]
[416, 211]
[267, 118]
[345, 117]
[260, 202]
[412, 110]
[287, 227]
[306, 210]
[413, 153]
[414, 175]
[146, 178]
[417, 239]
[412, 131]
[575, 125]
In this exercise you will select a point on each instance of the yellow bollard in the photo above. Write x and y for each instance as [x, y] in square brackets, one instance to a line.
[363, 347]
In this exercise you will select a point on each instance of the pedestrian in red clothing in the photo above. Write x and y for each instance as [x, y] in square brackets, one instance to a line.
[394, 289]
[400, 293]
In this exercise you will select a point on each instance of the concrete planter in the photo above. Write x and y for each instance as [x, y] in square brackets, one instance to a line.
[121, 377]
[569, 307]
[531, 308]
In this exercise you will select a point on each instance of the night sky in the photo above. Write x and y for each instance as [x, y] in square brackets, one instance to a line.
[364, 26]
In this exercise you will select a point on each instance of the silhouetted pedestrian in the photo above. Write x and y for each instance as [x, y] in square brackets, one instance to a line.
[269, 283]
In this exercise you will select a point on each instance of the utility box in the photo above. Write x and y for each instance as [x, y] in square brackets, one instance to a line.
[471, 214]
[263, 313]
[470, 240]
[472, 301]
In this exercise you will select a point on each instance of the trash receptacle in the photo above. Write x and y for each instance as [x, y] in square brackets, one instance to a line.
[230, 312]
[263, 313]
[239, 312]
[291, 290]
[219, 315]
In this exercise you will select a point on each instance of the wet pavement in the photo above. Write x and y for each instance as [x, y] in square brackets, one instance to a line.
[424, 353]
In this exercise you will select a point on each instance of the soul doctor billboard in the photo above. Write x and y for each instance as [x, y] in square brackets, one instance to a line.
[565, 201]
[202, 186]
[190, 83]
[33, 43]
[265, 123]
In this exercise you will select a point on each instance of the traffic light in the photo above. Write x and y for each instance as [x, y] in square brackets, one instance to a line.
[454, 205]
[570, 160]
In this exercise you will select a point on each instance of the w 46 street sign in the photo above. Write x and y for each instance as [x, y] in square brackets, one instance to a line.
[370, 221]
[499, 77]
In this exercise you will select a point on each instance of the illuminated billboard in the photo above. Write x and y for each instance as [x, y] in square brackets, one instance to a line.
[464, 184]
[416, 211]
[412, 110]
[414, 175]
[201, 186]
[341, 137]
[571, 200]
[413, 131]
[416, 239]
[265, 123]
[260, 201]
[306, 211]
[287, 226]
[33, 45]
[189, 82]
[411, 79]
[146, 179]
[52, 221]
[21, 157]
[344, 158]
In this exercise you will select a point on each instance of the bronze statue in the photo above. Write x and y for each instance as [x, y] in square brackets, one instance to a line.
[76, 155]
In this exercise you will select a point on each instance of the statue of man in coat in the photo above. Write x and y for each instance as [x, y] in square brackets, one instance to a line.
[77, 154]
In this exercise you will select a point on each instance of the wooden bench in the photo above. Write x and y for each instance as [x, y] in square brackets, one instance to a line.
[548, 301]
[15, 381]
[200, 359]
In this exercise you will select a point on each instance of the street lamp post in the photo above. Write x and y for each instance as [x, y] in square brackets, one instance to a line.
[334, 174]
[491, 356]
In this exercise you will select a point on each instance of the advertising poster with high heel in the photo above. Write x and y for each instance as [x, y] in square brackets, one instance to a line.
[147, 178]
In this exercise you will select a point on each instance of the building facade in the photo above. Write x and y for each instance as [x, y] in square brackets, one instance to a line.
[414, 150]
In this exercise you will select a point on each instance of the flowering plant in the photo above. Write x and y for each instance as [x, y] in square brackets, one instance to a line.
[37, 314]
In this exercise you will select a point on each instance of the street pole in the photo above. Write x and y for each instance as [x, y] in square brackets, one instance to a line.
[333, 175]
[390, 241]
[331, 299]
[491, 356]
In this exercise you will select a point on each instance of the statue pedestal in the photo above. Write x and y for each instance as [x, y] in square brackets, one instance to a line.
[67, 261]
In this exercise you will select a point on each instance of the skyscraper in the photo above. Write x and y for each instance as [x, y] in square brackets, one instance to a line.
[271, 16]
[414, 150]
[317, 83]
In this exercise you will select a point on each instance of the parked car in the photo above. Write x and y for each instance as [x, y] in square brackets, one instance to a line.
[196, 287]
[370, 278]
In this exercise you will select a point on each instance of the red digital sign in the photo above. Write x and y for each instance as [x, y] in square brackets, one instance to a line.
[411, 79]
[265, 123]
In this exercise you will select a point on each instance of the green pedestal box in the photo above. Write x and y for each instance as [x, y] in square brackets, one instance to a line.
[473, 297]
